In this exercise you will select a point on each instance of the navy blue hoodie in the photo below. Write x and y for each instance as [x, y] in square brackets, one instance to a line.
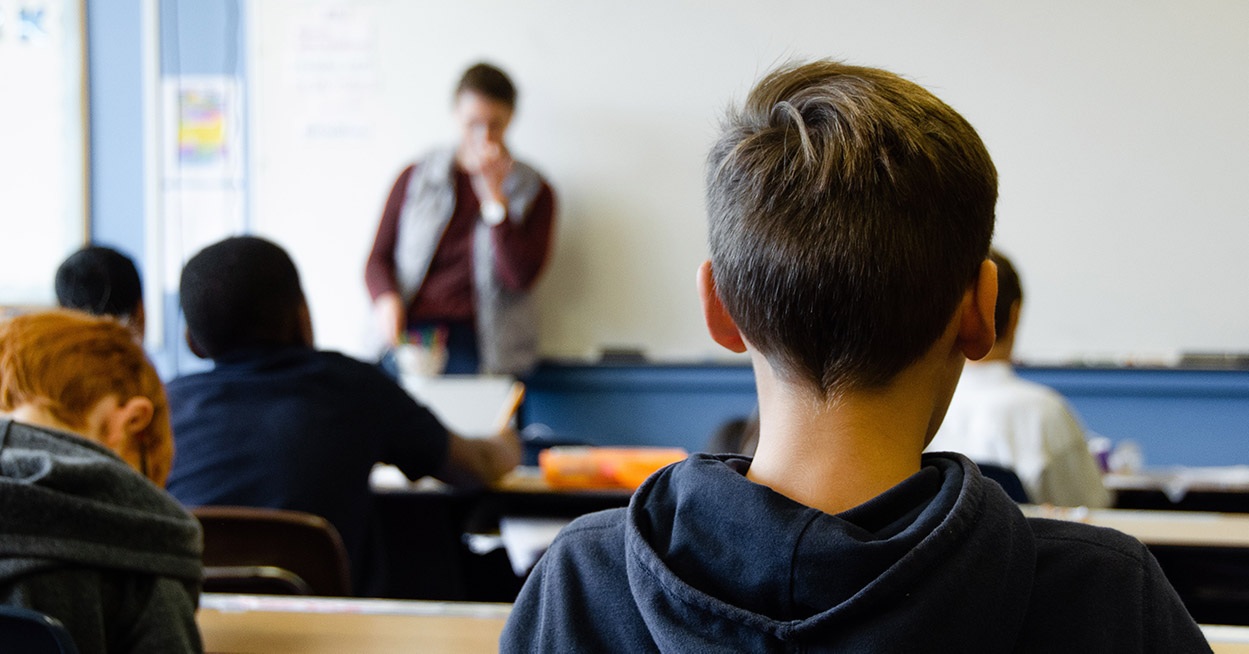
[704, 560]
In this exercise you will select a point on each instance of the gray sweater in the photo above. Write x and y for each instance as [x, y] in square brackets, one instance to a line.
[88, 540]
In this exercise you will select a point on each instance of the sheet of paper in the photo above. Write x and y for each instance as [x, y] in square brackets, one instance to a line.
[469, 405]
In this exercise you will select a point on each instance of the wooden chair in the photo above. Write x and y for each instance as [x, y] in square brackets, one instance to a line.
[27, 630]
[272, 552]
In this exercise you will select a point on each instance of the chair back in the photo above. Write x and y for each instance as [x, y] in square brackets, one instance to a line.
[272, 552]
[29, 631]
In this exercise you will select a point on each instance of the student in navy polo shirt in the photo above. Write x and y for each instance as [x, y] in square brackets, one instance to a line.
[279, 424]
[850, 217]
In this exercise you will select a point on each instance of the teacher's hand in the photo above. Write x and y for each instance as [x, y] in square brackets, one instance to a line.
[391, 316]
[490, 165]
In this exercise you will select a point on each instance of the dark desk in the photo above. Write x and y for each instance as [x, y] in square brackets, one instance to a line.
[1219, 489]
[423, 532]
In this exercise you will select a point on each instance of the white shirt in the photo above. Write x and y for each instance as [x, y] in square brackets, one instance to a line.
[1000, 418]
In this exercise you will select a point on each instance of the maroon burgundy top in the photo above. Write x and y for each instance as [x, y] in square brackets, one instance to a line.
[447, 292]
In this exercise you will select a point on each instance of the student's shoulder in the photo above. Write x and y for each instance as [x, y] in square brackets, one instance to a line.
[335, 359]
[353, 370]
[190, 381]
[596, 539]
[1015, 389]
[1100, 560]
[1076, 538]
[1107, 591]
[595, 528]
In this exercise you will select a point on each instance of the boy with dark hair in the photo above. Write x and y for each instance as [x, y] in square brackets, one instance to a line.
[850, 217]
[102, 282]
[279, 424]
[997, 417]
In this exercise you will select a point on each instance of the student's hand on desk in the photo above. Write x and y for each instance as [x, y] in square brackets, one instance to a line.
[390, 316]
[487, 459]
[509, 451]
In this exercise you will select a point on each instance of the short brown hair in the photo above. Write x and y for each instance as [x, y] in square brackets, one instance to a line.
[66, 362]
[849, 211]
[489, 81]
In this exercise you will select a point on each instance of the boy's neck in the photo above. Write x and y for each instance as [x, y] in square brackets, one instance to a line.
[837, 453]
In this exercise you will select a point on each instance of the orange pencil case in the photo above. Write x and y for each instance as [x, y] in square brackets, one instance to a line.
[604, 467]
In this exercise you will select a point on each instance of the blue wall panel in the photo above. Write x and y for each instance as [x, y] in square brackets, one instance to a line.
[1179, 417]
[115, 87]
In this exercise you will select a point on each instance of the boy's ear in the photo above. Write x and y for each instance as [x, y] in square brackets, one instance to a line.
[305, 326]
[195, 348]
[719, 323]
[976, 329]
[127, 422]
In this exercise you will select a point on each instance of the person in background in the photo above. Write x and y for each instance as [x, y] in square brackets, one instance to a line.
[997, 417]
[102, 282]
[850, 219]
[86, 534]
[279, 424]
[464, 234]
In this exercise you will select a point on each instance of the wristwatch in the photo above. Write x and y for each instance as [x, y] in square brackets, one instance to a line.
[493, 212]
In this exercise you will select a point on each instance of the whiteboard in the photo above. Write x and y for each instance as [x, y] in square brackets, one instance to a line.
[1118, 129]
[42, 162]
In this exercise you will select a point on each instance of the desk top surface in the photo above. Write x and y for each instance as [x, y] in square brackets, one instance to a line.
[1159, 527]
[240, 624]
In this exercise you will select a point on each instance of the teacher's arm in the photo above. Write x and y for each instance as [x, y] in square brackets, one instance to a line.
[379, 272]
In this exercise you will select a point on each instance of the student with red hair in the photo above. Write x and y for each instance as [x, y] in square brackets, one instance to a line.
[86, 533]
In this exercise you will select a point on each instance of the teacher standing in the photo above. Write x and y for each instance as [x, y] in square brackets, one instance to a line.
[462, 239]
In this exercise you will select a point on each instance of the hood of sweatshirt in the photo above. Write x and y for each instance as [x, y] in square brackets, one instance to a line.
[65, 500]
[905, 569]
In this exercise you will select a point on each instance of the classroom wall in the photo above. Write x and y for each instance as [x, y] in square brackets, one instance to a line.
[1099, 201]
[134, 48]
[1116, 126]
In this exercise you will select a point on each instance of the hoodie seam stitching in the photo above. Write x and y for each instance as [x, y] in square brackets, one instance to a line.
[793, 560]
[1133, 556]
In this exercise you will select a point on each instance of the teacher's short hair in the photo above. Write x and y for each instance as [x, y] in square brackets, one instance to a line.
[850, 210]
[240, 293]
[489, 81]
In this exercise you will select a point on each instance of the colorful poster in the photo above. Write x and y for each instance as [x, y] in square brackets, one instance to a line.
[203, 140]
